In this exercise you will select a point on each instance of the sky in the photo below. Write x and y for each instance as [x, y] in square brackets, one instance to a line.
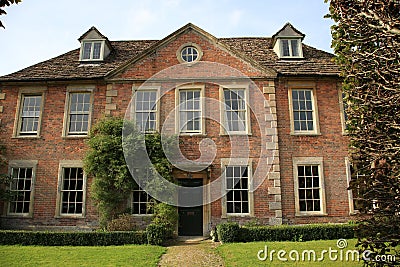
[37, 30]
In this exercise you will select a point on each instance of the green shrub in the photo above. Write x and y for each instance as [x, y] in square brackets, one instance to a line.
[124, 222]
[228, 232]
[156, 234]
[166, 216]
[72, 238]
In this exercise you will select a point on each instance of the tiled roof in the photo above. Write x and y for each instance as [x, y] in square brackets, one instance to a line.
[315, 62]
[68, 66]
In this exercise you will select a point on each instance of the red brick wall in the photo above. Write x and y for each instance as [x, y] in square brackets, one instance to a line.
[49, 149]
[189, 145]
[331, 145]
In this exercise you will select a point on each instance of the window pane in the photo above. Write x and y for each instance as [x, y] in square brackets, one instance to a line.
[87, 47]
[96, 50]
[303, 205]
[285, 48]
[229, 207]
[141, 202]
[189, 111]
[145, 110]
[72, 191]
[30, 113]
[238, 197]
[235, 109]
[189, 54]
[302, 110]
[302, 182]
[295, 48]
[308, 187]
[79, 111]
[245, 207]
[20, 187]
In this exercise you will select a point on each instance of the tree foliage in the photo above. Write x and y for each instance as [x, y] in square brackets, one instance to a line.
[106, 162]
[366, 40]
[4, 3]
[5, 193]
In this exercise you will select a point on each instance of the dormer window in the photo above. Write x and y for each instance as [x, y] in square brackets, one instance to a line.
[290, 48]
[94, 46]
[92, 50]
[288, 42]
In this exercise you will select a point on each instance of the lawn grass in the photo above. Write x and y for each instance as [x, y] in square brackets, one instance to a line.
[129, 255]
[245, 254]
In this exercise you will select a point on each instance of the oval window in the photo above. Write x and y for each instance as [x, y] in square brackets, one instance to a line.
[189, 54]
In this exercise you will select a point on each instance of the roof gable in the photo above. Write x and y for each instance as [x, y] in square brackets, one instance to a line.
[92, 33]
[288, 31]
[186, 29]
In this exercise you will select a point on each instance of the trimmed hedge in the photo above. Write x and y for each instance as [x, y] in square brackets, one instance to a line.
[228, 232]
[29, 238]
[156, 234]
[231, 232]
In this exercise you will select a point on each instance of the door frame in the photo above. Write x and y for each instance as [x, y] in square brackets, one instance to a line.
[206, 196]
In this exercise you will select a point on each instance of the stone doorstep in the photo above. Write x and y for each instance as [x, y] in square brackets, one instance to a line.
[192, 239]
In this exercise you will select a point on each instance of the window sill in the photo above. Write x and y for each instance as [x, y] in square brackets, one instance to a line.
[142, 215]
[311, 214]
[26, 137]
[75, 136]
[235, 134]
[12, 216]
[193, 134]
[243, 215]
[290, 57]
[305, 134]
[65, 216]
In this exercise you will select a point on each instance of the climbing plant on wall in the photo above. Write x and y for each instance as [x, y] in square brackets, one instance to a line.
[105, 161]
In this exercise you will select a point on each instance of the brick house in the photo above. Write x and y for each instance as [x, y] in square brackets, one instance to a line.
[276, 137]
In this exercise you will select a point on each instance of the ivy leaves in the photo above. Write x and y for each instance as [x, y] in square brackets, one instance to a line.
[113, 142]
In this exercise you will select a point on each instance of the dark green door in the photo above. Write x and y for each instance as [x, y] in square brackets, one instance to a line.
[190, 218]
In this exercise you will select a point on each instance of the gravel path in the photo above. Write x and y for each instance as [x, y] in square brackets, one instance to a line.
[192, 254]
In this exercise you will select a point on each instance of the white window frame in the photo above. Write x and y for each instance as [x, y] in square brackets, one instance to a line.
[157, 107]
[14, 164]
[237, 162]
[200, 88]
[92, 42]
[306, 161]
[316, 128]
[148, 202]
[26, 92]
[342, 112]
[189, 44]
[70, 164]
[352, 210]
[71, 90]
[223, 118]
[289, 40]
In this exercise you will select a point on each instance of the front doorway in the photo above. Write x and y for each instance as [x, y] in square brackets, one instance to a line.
[191, 218]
